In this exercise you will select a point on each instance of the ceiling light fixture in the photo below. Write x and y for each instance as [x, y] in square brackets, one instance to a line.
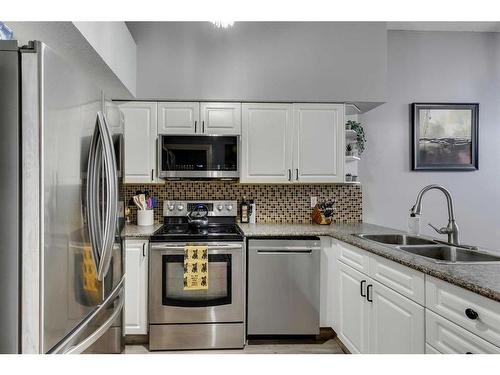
[223, 24]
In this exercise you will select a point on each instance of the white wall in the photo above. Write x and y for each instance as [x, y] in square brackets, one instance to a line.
[272, 61]
[435, 67]
[112, 40]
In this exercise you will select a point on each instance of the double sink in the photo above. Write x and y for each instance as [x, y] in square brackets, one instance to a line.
[434, 250]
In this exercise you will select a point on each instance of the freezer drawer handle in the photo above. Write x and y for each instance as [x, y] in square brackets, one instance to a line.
[85, 344]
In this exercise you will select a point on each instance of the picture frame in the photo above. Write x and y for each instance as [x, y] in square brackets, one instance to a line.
[444, 136]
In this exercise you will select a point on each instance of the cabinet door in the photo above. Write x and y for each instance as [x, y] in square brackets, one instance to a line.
[353, 309]
[220, 118]
[396, 322]
[140, 141]
[179, 118]
[449, 338]
[318, 152]
[266, 143]
[136, 287]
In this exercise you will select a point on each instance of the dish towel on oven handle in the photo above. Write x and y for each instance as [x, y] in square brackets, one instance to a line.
[195, 267]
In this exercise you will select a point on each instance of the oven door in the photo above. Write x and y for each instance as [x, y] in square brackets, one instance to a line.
[222, 302]
[198, 157]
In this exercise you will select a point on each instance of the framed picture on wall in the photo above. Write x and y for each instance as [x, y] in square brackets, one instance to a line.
[444, 136]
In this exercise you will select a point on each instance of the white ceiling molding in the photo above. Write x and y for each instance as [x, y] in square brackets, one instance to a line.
[484, 27]
[66, 39]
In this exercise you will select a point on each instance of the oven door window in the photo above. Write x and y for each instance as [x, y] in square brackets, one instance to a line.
[219, 282]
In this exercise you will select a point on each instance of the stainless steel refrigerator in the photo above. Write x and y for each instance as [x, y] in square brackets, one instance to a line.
[61, 258]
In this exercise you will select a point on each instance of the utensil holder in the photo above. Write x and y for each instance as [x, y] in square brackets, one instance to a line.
[145, 217]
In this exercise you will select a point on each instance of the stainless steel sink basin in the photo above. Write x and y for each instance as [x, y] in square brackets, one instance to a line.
[397, 239]
[450, 254]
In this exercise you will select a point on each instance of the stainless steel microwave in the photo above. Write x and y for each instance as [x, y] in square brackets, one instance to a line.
[198, 157]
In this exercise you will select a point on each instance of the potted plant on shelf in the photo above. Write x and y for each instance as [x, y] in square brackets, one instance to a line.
[349, 150]
[360, 134]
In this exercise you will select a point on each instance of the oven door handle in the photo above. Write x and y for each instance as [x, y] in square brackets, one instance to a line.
[210, 248]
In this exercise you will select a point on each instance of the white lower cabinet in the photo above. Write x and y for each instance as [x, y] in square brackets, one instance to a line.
[353, 310]
[448, 337]
[375, 319]
[381, 306]
[397, 324]
[136, 287]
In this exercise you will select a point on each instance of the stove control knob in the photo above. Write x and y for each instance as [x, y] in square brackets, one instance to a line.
[171, 207]
[180, 207]
[219, 207]
[229, 207]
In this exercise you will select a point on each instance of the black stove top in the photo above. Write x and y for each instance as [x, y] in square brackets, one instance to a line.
[185, 232]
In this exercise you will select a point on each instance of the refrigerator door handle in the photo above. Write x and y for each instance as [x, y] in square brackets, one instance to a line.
[111, 211]
[92, 197]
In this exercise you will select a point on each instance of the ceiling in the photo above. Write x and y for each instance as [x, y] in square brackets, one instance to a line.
[445, 26]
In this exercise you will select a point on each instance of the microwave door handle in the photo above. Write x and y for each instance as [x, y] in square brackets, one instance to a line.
[111, 192]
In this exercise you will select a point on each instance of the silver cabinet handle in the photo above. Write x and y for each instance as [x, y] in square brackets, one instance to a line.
[289, 175]
[297, 174]
[195, 123]
[203, 126]
[144, 250]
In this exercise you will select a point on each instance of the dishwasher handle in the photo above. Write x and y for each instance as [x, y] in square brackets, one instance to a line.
[283, 252]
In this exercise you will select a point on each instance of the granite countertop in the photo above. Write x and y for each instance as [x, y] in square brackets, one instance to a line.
[483, 279]
[137, 231]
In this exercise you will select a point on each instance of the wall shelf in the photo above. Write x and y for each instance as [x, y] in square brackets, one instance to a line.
[352, 158]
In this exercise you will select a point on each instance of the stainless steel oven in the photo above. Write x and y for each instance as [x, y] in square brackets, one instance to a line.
[198, 156]
[197, 319]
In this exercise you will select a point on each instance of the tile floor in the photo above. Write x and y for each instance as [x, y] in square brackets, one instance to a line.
[327, 347]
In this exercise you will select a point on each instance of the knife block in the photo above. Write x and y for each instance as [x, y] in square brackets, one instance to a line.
[318, 217]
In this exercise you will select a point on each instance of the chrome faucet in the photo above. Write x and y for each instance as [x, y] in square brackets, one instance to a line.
[451, 229]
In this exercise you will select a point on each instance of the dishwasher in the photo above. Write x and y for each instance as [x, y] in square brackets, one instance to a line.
[283, 286]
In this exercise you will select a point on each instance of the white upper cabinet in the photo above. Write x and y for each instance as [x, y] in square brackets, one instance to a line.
[140, 141]
[266, 143]
[299, 143]
[220, 118]
[318, 143]
[179, 118]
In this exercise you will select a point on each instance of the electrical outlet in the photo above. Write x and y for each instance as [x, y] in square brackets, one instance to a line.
[314, 201]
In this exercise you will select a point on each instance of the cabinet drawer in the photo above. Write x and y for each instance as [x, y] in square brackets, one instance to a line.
[402, 279]
[451, 302]
[447, 337]
[354, 257]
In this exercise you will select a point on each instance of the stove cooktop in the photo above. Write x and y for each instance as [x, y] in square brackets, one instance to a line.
[184, 232]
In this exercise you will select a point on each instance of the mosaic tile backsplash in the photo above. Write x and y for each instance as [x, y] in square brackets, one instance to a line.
[275, 203]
